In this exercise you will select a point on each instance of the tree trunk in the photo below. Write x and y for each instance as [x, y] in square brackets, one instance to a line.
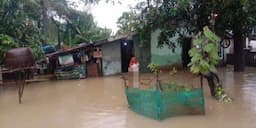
[239, 58]
[59, 42]
[186, 46]
[148, 3]
[213, 82]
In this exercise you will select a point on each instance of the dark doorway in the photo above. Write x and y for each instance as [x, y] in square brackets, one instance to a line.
[126, 53]
[186, 46]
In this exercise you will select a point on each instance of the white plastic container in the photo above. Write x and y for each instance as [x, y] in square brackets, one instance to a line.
[134, 70]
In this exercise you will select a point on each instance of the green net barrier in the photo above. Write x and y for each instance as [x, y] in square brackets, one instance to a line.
[160, 105]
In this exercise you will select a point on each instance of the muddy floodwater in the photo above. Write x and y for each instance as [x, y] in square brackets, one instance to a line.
[101, 103]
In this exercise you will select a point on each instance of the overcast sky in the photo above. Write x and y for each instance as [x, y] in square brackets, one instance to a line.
[107, 14]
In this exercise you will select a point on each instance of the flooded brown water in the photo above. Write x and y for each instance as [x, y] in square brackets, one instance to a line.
[101, 103]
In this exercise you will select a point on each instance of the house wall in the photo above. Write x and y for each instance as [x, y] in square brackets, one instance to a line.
[143, 54]
[164, 56]
[111, 59]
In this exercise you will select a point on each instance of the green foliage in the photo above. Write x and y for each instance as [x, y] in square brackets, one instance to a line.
[127, 22]
[189, 16]
[204, 53]
[97, 1]
[219, 91]
[20, 22]
[236, 15]
[81, 28]
[6, 44]
[221, 95]
[171, 17]
[174, 71]
[31, 23]
[36, 49]
[153, 68]
[174, 86]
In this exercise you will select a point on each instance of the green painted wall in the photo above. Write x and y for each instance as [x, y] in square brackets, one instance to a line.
[164, 56]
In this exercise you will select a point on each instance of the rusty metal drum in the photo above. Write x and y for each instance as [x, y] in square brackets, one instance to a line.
[19, 58]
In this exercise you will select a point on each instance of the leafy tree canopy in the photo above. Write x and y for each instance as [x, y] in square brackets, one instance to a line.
[34, 22]
[188, 17]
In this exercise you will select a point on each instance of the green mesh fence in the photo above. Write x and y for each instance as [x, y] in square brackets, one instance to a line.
[160, 105]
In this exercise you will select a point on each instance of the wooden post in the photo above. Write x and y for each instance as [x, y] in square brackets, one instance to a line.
[20, 82]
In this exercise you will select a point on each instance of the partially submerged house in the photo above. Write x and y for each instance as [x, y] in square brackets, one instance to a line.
[75, 63]
[115, 55]
[117, 52]
[164, 56]
[112, 56]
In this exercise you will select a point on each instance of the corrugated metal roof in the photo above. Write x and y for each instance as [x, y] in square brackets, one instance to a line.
[96, 43]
